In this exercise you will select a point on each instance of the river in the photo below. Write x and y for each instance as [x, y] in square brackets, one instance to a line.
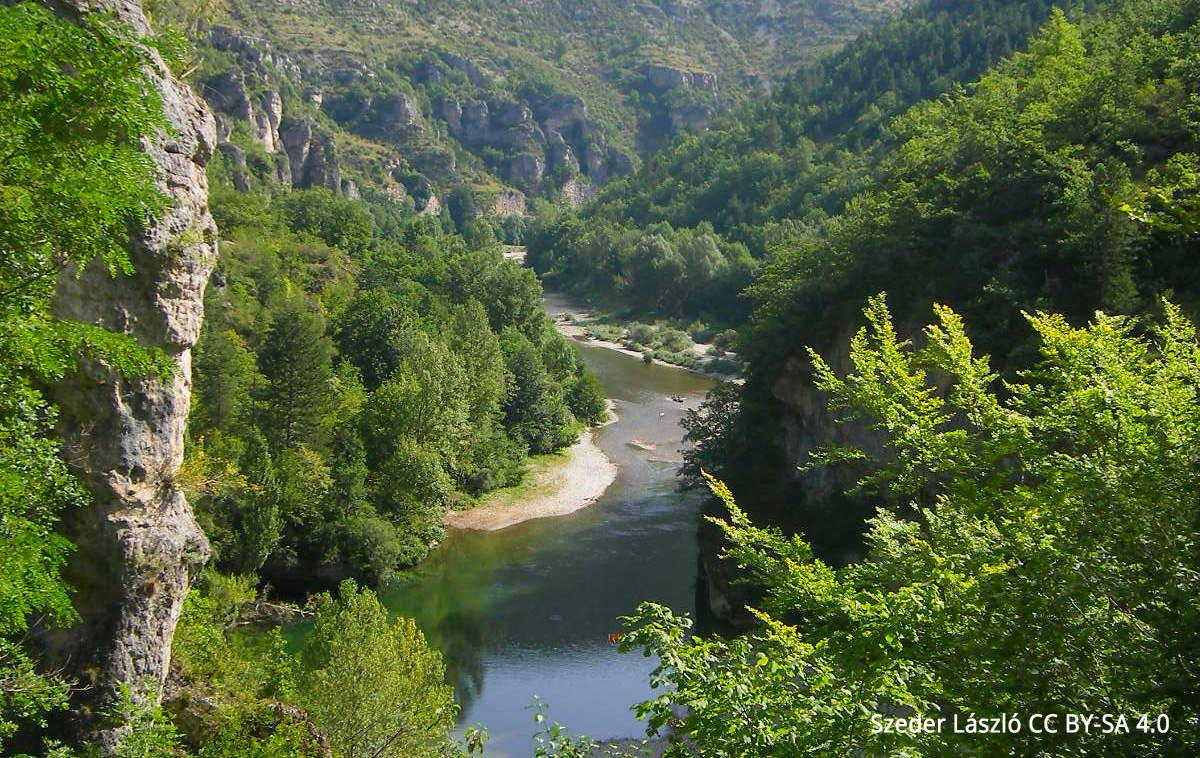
[528, 610]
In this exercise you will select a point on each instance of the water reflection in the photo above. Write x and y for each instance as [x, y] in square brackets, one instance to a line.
[529, 610]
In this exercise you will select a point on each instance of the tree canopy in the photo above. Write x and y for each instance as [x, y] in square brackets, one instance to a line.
[1040, 557]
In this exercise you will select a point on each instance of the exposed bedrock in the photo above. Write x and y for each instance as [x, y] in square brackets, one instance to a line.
[138, 545]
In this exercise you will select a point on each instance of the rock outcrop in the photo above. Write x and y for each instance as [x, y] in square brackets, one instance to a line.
[398, 113]
[312, 156]
[693, 119]
[138, 545]
[578, 191]
[555, 135]
[668, 77]
[228, 93]
[526, 168]
[509, 203]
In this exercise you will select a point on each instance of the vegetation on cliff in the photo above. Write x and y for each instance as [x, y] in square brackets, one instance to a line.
[71, 174]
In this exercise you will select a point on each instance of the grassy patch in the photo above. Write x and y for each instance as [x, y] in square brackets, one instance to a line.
[539, 481]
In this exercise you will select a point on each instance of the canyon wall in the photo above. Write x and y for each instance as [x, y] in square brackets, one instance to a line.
[138, 545]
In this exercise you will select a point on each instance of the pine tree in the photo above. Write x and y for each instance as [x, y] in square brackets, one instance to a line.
[296, 363]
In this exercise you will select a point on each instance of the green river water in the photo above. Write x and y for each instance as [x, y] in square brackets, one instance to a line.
[528, 609]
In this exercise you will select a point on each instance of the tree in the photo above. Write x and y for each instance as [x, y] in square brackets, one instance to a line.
[368, 333]
[535, 413]
[375, 688]
[585, 397]
[225, 377]
[296, 363]
[1041, 558]
[338, 221]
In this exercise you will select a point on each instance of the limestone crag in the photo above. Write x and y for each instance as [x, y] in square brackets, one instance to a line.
[509, 203]
[526, 168]
[805, 424]
[554, 134]
[578, 191]
[138, 545]
[668, 77]
[398, 113]
[312, 156]
[693, 119]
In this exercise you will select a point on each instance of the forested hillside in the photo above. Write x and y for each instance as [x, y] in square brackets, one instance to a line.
[891, 166]
[360, 371]
[1005, 197]
[778, 168]
[478, 109]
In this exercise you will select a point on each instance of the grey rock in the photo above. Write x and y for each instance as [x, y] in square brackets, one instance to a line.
[283, 169]
[509, 202]
[237, 165]
[507, 114]
[668, 77]
[266, 135]
[450, 111]
[419, 187]
[296, 136]
[398, 112]
[322, 168]
[254, 54]
[476, 121]
[432, 206]
[561, 154]
[429, 73]
[396, 192]
[562, 113]
[138, 544]
[619, 163]
[227, 92]
[224, 128]
[526, 167]
[312, 156]
[313, 95]
[272, 105]
[474, 75]
[437, 164]
[350, 189]
[693, 119]
[593, 162]
[578, 191]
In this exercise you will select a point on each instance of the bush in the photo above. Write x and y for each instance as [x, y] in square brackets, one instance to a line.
[375, 688]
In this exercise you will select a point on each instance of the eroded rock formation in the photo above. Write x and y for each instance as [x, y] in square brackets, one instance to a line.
[138, 545]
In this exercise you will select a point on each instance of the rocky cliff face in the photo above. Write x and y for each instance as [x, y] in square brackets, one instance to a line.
[138, 546]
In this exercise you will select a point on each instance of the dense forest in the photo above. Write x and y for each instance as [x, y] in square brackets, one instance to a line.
[776, 169]
[360, 371]
[958, 482]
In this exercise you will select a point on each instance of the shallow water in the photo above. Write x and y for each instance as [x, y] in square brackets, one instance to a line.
[527, 610]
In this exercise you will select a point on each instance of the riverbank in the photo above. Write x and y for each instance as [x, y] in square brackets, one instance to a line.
[557, 484]
[576, 323]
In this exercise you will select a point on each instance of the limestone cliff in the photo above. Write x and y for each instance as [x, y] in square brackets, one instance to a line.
[138, 545]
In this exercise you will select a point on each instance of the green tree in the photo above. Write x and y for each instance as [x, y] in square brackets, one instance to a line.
[1043, 558]
[226, 377]
[368, 333]
[337, 221]
[295, 360]
[535, 413]
[375, 688]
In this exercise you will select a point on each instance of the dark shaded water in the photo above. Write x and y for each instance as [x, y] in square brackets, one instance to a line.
[527, 610]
